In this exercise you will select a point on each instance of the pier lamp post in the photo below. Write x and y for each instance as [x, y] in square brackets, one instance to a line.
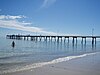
[92, 31]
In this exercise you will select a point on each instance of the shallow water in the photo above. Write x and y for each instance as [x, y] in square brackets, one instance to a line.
[32, 52]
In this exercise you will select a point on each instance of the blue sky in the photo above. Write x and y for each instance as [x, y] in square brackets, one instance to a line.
[63, 17]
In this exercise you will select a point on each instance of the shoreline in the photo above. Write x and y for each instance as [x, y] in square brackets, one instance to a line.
[87, 65]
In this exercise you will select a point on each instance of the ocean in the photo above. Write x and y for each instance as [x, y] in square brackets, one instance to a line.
[32, 54]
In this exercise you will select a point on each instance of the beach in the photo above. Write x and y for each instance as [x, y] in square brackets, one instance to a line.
[87, 65]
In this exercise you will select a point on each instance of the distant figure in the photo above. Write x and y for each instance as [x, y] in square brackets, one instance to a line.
[13, 44]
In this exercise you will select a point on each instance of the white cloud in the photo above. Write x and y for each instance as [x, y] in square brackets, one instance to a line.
[13, 23]
[11, 17]
[47, 3]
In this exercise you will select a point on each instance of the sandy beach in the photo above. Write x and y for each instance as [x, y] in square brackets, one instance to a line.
[88, 65]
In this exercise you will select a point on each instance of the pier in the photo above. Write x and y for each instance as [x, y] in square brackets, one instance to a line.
[56, 38]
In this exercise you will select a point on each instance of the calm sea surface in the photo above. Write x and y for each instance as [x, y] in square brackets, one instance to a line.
[32, 52]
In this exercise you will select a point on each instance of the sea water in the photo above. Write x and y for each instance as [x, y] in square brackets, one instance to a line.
[32, 54]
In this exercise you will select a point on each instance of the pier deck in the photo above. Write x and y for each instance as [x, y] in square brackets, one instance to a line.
[39, 37]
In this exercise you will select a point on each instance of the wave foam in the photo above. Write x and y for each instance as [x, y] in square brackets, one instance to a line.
[36, 65]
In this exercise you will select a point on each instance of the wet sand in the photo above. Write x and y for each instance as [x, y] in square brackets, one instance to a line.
[88, 65]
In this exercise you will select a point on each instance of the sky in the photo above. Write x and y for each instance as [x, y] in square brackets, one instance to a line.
[50, 17]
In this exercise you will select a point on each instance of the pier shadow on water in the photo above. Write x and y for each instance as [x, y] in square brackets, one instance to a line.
[62, 46]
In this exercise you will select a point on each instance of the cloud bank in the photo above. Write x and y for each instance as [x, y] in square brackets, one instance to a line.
[11, 22]
[47, 3]
[11, 17]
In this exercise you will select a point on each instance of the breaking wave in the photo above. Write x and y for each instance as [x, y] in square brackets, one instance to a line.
[36, 65]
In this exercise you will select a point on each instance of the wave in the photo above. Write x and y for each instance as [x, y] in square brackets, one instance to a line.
[37, 65]
[13, 55]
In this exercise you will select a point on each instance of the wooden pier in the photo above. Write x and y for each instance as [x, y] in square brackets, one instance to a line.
[56, 38]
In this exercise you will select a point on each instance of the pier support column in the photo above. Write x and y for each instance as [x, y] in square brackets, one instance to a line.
[95, 40]
[31, 38]
[73, 41]
[85, 40]
[68, 40]
[36, 38]
[82, 41]
[76, 40]
[45, 38]
[65, 39]
[49, 38]
[40, 38]
[92, 40]
[93, 43]
[24, 38]
[55, 38]
[61, 39]
[58, 39]
[27, 38]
